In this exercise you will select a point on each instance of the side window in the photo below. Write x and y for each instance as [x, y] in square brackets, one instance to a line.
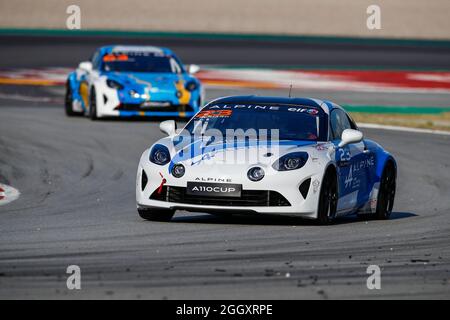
[339, 122]
[352, 123]
[179, 64]
[174, 65]
[96, 61]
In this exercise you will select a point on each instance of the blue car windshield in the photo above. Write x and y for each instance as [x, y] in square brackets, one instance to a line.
[292, 121]
[140, 62]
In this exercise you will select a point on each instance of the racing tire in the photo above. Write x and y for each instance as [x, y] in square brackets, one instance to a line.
[386, 194]
[93, 106]
[68, 102]
[153, 214]
[328, 199]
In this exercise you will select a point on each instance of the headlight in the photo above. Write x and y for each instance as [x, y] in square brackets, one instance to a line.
[191, 85]
[159, 155]
[114, 84]
[255, 174]
[291, 161]
[178, 170]
[134, 94]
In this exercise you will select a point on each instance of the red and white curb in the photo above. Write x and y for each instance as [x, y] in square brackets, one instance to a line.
[222, 77]
[330, 80]
[8, 194]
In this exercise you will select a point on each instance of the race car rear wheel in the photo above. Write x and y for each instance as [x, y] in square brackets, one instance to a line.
[328, 198]
[93, 106]
[68, 101]
[386, 194]
[154, 214]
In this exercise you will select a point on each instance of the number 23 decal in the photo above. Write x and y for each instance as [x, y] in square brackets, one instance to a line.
[344, 155]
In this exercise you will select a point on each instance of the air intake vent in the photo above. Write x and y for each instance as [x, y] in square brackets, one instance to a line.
[144, 180]
[304, 188]
[249, 198]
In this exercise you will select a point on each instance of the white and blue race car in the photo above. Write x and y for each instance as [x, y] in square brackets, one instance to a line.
[265, 155]
[124, 81]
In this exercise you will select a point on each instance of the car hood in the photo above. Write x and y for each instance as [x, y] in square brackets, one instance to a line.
[201, 156]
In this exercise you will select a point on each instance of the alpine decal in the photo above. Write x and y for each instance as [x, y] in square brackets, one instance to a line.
[300, 109]
[352, 180]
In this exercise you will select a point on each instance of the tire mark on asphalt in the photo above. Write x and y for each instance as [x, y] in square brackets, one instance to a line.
[90, 167]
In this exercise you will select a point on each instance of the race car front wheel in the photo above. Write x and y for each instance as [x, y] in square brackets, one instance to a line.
[156, 214]
[328, 199]
[68, 101]
[93, 106]
[386, 194]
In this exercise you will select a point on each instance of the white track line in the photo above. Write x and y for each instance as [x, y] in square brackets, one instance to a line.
[8, 194]
[405, 129]
[20, 97]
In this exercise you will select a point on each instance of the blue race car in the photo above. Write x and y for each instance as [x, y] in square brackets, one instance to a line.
[124, 81]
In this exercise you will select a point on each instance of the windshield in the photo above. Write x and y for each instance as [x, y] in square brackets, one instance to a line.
[140, 62]
[292, 122]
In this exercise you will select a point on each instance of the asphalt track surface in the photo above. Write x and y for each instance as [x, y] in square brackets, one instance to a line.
[77, 207]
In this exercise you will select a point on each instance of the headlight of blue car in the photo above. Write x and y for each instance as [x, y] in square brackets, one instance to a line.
[159, 155]
[114, 84]
[291, 161]
[191, 85]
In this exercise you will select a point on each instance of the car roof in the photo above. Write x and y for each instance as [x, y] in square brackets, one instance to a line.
[134, 48]
[326, 106]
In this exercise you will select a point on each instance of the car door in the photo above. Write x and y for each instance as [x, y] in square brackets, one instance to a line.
[363, 169]
[349, 159]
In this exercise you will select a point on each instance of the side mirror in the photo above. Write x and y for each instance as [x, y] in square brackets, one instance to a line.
[169, 127]
[350, 136]
[193, 68]
[85, 66]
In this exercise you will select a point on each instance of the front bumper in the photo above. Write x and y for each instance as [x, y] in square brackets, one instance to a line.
[176, 114]
[137, 110]
[110, 104]
[284, 184]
